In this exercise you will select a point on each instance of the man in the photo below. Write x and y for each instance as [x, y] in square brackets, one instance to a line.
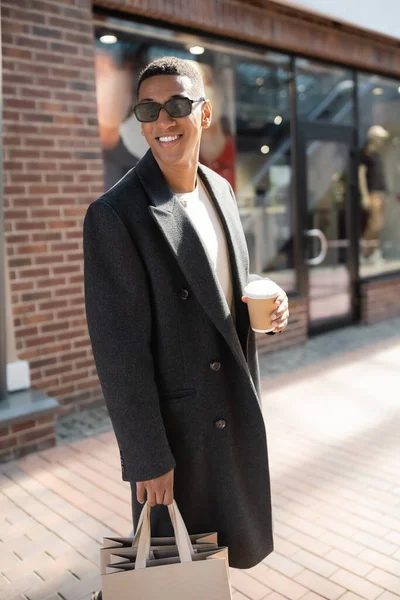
[165, 268]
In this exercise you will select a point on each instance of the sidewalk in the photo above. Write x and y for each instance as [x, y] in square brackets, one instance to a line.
[333, 433]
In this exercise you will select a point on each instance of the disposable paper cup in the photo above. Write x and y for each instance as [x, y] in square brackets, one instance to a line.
[261, 295]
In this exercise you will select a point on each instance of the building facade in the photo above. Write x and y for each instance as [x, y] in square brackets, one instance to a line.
[306, 127]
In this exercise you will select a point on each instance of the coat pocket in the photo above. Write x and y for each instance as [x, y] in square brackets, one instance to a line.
[178, 395]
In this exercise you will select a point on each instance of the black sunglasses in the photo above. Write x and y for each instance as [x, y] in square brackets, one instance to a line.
[146, 112]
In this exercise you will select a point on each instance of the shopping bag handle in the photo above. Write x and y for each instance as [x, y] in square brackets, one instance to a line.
[185, 548]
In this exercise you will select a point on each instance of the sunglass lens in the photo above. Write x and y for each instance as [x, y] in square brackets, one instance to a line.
[179, 107]
[147, 112]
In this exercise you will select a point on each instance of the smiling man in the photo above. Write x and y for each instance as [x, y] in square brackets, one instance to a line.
[165, 267]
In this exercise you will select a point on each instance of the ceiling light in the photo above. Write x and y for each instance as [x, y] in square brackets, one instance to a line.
[108, 39]
[378, 91]
[197, 50]
[265, 149]
[278, 120]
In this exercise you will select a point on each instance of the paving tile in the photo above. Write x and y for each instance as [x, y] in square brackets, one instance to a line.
[394, 537]
[320, 585]
[370, 541]
[357, 585]
[9, 591]
[314, 563]
[282, 564]
[342, 543]
[388, 596]
[385, 580]
[258, 571]
[381, 561]
[79, 589]
[334, 478]
[335, 525]
[359, 566]
[284, 547]
[247, 585]
[42, 590]
[315, 546]
[34, 564]
[283, 585]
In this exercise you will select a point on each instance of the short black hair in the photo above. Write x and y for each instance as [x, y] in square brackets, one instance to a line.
[171, 65]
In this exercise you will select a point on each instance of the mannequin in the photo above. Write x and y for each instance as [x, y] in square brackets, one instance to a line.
[373, 190]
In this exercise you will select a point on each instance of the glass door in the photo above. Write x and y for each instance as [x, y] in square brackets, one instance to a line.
[328, 235]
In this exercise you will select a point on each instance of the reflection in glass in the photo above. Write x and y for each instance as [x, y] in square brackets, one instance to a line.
[327, 184]
[324, 93]
[379, 174]
[263, 177]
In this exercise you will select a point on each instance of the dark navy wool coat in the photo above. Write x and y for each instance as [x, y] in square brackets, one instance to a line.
[179, 378]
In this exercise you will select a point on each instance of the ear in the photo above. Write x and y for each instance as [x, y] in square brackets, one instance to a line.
[206, 115]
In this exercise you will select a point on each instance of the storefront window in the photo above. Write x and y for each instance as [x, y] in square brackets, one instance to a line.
[379, 174]
[264, 170]
[248, 142]
[324, 93]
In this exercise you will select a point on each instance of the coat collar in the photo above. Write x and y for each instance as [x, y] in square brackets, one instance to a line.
[191, 254]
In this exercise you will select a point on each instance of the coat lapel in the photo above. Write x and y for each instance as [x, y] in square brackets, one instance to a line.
[191, 254]
[228, 212]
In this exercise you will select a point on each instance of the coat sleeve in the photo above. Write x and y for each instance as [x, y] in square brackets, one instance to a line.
[118, 312]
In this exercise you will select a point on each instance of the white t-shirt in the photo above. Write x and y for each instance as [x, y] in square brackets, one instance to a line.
[206, 220]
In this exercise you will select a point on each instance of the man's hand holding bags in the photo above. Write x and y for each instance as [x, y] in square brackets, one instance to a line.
[159, 490]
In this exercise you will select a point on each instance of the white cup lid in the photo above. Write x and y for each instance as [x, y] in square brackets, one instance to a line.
[262, 289]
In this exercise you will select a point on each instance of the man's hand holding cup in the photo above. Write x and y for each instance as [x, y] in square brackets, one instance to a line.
[268, 306]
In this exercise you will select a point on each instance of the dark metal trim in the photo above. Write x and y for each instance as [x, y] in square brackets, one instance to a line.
[324, 326]
[336, 133]
[299, 193]
[388, 276]
[295, 184]
[355, 207]
[3, 337]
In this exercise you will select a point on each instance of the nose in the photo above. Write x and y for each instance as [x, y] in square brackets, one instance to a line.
[165, 120]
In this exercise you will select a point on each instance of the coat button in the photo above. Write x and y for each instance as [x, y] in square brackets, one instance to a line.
[220, 424]
[183, 294]
[215, 365]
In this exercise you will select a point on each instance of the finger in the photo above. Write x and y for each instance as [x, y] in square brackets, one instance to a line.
[140, 489]
[168, 496]
[280, 325]
[151, 499]
[280, 312]
[160, 496]
[244, 299]
[281, 298]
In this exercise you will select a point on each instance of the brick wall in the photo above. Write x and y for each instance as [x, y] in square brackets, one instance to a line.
[21, 438]
[270, 24]
[380, 300]
[53, 170]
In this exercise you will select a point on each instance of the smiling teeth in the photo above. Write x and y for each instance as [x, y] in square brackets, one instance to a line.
[170, 138]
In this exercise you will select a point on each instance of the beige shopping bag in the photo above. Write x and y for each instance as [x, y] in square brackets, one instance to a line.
[195, 573]
[115, 548]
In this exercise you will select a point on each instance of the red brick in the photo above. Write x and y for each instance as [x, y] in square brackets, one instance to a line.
[7, 442]
[22, 426]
